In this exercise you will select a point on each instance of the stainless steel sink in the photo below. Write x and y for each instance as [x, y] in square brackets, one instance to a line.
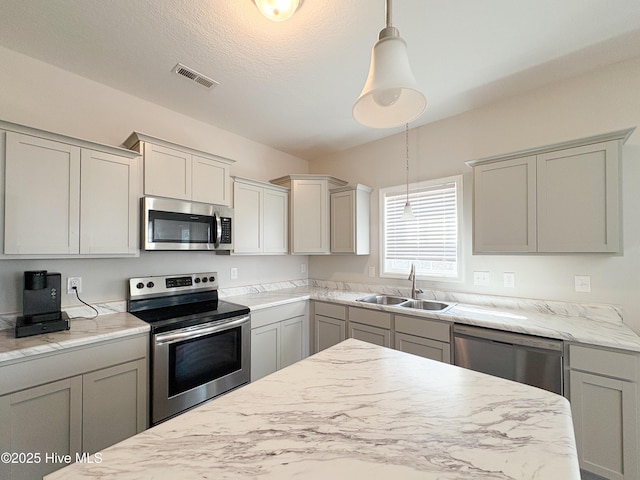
[431, 305]
[384, 299]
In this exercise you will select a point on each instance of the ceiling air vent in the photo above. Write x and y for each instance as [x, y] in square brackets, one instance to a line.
[191, 74]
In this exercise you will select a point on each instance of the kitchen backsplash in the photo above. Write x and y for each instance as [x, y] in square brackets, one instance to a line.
[606, 313]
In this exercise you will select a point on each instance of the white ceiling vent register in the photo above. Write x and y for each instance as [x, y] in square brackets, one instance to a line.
[191, 74]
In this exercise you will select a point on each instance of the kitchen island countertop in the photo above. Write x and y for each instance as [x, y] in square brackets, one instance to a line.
[355, 411]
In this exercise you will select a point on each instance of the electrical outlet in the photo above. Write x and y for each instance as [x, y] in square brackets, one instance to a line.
[303, 268]
[481, 278]
[234, 273]
[74, 283]
[509, 280]
[372, 271]
[583, 283]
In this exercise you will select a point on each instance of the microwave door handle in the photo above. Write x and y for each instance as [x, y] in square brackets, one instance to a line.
[218, 227]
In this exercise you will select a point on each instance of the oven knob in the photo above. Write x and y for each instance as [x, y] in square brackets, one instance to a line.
[139, 285]
[197, 280]
[150, 284]
[205, 279]
[212, 279]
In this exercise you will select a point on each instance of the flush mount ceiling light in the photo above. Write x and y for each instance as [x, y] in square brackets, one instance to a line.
[278, 10]
[390, 96]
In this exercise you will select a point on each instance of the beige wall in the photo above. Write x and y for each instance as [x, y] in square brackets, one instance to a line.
[36, 94]
[601, 101]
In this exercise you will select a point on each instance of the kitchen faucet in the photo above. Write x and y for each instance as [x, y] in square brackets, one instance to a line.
[412, 276]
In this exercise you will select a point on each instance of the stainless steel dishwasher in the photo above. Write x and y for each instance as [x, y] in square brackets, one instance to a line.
[526, 359]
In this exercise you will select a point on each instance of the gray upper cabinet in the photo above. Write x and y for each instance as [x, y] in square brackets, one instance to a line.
[82, 194]
[559, 198]
[176, 171]
[350, 207]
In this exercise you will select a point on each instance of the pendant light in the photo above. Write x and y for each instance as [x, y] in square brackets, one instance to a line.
[390, 96]
[407, 213]
[278, 10]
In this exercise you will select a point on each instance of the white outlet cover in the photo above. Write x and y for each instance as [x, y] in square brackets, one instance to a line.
[372, 271]
[234, 273]
[583, 283]
[509, 280]
[481, 278]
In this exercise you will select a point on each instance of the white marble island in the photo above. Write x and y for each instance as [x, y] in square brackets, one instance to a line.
[357, 411]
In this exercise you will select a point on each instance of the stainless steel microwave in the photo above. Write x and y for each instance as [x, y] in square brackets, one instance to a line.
[169, 224]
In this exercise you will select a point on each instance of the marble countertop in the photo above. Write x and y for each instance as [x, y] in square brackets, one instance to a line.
[356, 411]
[83, 331]
[598, 325]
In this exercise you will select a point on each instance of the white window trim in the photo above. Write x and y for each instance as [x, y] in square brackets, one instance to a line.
[382, 221]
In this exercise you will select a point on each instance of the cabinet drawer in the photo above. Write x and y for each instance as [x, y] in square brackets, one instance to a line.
[604, 362]
[423, 327]
[370, 317]
[267, 316]
[331, 310]
[73, 361]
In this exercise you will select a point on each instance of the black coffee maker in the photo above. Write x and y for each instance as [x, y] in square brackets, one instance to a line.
[41, 305]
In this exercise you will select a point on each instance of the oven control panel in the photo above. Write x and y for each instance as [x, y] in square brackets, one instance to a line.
[159, 285]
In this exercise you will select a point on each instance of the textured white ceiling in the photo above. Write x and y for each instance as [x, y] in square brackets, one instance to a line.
[291, 85]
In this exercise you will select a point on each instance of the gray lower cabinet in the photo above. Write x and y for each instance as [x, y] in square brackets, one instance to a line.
[38, 421]
[279, 338]
[330, 325]
[370, 326]
[108, 418]
[423, 337]
[605, 406]
[73, 402]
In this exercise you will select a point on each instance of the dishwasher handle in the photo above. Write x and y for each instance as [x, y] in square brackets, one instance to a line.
[508, 338]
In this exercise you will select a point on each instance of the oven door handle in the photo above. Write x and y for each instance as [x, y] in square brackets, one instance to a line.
[173, 337]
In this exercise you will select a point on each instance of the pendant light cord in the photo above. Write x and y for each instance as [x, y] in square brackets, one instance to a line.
[407, 155]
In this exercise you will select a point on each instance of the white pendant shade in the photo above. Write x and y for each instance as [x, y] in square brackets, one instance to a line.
[407, 212]
[390, 96]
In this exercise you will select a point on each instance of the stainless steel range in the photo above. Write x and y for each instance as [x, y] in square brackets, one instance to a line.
[200, 345]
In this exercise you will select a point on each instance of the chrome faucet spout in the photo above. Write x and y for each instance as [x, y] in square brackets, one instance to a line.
[412, 276]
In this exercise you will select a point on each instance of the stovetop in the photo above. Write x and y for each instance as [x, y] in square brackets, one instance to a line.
[172, 302]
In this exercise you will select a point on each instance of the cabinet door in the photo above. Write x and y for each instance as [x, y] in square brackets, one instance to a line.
[42, 196]
[423, 347]
[328, 332]
[578, 199]
[343, 234]
[167, 172]
[210, 181]
[265, 350]
[605, 419]
[504, 206]
[292, 334]
[109, 418]
[310, 216]
[109, 203]
[41, 420]
[247, 221]
[275, 221]
[367, 333]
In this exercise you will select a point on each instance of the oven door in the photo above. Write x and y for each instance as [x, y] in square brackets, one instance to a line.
[195, 364]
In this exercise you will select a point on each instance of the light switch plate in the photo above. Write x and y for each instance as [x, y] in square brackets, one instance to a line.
[583, 283]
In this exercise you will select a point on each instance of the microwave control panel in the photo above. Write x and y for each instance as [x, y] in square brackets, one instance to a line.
[226, 230]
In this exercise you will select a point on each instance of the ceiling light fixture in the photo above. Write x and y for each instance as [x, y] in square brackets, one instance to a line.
[390, 96]
[278, 10]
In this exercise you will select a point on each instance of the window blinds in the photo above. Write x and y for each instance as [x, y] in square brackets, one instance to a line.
[431, 240]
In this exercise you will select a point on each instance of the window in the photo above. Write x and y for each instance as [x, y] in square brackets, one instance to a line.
[431, 241]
